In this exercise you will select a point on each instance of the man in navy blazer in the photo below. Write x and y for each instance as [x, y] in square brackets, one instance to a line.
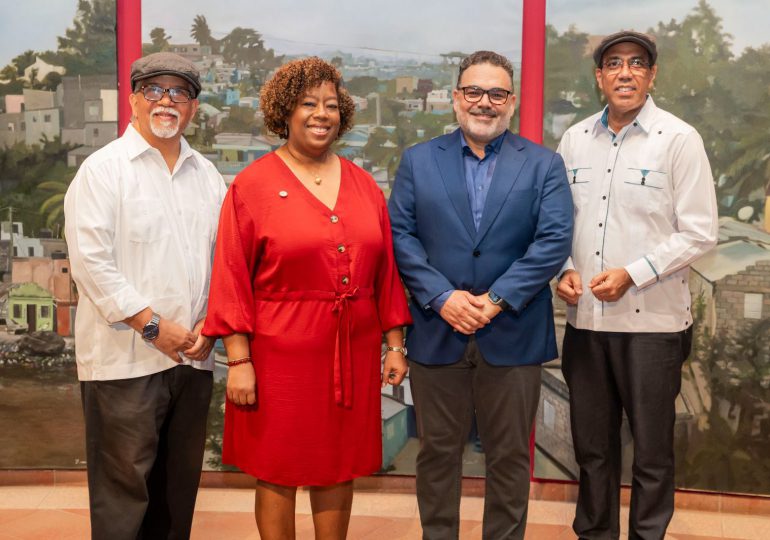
[482, 221]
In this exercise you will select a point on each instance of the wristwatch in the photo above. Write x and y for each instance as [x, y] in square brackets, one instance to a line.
[497, 300]
[402, 350]
[151, 329]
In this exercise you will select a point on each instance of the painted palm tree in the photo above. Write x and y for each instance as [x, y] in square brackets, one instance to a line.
[201, 33]
[53, 206]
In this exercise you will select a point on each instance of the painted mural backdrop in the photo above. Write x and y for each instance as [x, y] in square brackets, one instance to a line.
[719, 83]
[58, 104]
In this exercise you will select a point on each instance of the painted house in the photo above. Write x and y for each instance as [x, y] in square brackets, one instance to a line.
[30, 306]
[394, 429]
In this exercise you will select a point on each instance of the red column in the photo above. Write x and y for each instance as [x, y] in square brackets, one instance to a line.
[531, 104]
[532, 70]
[128, 23]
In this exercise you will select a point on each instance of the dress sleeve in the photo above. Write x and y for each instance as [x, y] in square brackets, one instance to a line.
[237, 252]
[389, 291]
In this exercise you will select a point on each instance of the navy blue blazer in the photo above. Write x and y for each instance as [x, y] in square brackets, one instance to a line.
[524, 237]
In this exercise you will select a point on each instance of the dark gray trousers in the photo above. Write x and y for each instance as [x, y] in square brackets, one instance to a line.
[505, 402]
[144, 445]
[641, 373]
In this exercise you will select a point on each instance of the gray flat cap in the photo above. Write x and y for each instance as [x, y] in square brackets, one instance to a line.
[624, 36]
[165, 63]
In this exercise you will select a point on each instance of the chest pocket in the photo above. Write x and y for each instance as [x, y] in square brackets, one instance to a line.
[643, 190]
[580, 182]
[145, 220]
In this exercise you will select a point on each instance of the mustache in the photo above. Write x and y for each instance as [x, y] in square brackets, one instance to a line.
[486, 111]
[165, 110]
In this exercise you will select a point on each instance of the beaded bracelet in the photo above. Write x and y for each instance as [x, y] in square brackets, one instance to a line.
[244, 360]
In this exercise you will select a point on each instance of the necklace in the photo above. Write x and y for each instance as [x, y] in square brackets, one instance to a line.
[317, 179]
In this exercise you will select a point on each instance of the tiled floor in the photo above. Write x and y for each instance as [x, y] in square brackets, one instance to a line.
[61, 512]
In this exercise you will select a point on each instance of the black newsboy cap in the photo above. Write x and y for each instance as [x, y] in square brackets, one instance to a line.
[165, 63]
[647, 42]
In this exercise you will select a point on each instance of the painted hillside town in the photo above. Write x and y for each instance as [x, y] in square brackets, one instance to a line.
[59, 106]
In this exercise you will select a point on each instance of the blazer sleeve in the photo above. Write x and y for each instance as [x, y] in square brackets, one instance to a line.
[231, 294]
[423, 280]
[551, 245]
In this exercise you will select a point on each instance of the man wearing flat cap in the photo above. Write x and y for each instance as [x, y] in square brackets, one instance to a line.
[645, 209]
[141, 219]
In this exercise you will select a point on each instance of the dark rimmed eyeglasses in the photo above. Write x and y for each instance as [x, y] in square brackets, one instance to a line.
[636, 64]
[153, 92]
[474, 94]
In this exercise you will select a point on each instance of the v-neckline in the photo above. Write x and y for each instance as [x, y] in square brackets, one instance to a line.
[309, 194]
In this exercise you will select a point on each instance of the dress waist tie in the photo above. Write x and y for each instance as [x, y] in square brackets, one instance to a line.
[343, 361]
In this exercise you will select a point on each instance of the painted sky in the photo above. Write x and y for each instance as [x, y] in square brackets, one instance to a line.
[410, 28]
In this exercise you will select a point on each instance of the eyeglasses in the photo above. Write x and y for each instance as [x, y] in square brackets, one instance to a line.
[153, 92]
[474, 94]
[636, 65]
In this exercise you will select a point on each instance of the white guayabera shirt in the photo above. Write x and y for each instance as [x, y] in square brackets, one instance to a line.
[644, 200]
[139, 236]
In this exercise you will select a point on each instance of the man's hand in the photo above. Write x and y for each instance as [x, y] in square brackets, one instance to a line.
[463, 312]
[570, 287]
[242, 384]
[203, 344]
[489, 309]
[395, 364]
[173, 339]
[611, 285]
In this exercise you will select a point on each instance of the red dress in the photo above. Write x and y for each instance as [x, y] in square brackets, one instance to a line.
[314, 289]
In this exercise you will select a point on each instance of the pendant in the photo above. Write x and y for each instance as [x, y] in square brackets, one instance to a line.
[318, 180]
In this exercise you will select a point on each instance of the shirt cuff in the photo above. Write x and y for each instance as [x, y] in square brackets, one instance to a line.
[568, 265]
[642, 272]
[437, 303]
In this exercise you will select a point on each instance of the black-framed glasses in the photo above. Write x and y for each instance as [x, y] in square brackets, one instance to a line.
[153, 92]
[635, 64]
[497, 96]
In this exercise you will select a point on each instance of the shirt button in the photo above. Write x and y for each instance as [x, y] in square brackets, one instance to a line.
[341, 248]
[476, 253]
[604, 197]
[334, 219]
[597, 253]
[614, 144]
[345, 280]
[609, 170]
[600, 224]
[637, 311]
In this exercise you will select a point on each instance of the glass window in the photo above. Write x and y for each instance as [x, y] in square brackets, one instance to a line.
[45, 311]
[17, 311]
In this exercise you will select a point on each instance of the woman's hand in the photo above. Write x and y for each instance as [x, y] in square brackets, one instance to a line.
[394, 369]
[242, 384]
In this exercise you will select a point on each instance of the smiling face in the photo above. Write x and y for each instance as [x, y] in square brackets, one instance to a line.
[162, 119]
[315, 121]
[625, 89]
[483, 121]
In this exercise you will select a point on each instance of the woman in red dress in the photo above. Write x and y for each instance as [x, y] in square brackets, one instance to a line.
[303, 287]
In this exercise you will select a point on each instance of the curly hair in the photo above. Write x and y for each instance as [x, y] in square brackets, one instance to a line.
[279, 95]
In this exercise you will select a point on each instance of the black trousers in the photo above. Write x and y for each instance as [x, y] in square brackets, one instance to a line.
[144, 445]
[641, 373]
[505, 402]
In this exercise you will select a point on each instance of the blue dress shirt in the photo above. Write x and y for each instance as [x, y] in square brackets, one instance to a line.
[478, 178]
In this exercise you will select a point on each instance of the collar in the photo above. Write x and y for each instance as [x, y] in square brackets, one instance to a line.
[492, 147]
[643, 120]
[138, 145]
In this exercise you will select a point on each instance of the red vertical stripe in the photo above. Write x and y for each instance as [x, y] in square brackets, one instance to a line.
[532, 70]
[129, 47]
[531, 104]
